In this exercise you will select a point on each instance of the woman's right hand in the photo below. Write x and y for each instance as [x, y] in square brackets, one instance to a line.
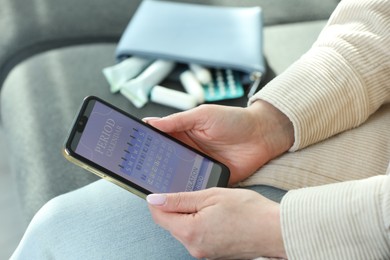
[243, 139]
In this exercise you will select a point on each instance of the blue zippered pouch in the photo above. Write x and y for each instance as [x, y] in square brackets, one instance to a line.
[213, 36]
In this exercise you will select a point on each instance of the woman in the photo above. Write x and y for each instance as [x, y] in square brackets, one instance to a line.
[342, 80]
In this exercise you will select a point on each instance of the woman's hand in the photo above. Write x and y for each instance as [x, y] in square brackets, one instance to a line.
[221, 223]
[242, 138]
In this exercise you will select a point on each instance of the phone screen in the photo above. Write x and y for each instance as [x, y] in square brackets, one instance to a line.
[128, 149]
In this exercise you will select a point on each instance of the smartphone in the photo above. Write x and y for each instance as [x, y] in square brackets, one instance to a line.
[136, 156]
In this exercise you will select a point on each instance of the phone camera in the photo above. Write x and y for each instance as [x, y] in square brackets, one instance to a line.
[81, 124]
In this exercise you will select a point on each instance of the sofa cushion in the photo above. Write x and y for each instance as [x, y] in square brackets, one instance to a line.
[284, 44]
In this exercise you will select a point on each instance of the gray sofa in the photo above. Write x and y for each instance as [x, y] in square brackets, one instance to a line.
[51, 56]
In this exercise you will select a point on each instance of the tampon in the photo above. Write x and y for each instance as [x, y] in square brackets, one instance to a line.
[201, 73]
[172, 98]
[192, 85]
[118, 74]
[137, 90]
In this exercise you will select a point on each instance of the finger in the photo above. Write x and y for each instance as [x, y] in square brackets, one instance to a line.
[172, 211]
[178, 126]
[174, 123]
[182, 202]
[178, 122]
[177, 212]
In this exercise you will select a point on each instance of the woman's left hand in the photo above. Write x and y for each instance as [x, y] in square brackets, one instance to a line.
[221, 223]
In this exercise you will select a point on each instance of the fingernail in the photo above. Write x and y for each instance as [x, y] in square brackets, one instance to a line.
[147, 119]
[156, 199]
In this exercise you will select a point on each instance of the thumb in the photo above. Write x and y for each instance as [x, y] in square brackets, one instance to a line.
[178, 122]
[182, 202]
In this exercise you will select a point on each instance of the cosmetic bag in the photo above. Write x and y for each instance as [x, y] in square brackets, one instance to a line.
[212, 36]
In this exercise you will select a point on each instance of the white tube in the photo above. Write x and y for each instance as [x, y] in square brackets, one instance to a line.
[172, 98]
[118, 74]
[137, 90]
[192, 86]
[201, 73]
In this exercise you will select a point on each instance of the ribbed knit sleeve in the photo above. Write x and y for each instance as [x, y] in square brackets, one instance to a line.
[349, 220]
[342, 79]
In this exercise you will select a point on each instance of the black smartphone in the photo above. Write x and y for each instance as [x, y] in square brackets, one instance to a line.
[136, 156]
